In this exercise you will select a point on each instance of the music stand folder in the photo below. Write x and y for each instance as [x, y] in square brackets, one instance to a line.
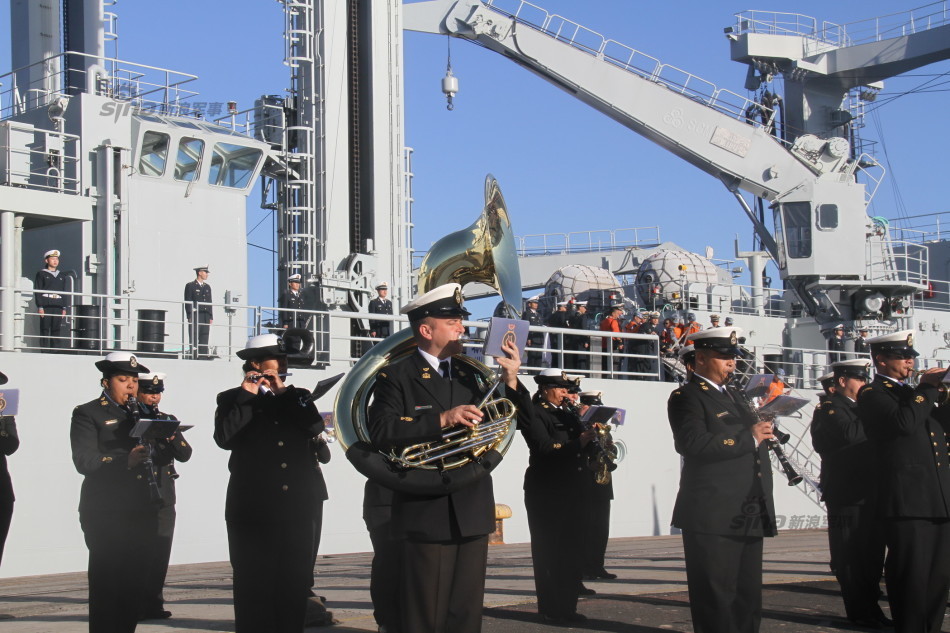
[154, 429]
[324, 386]
[599, 415]
[500, 330]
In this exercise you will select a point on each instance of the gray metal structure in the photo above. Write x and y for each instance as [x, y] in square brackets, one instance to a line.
[840, 263]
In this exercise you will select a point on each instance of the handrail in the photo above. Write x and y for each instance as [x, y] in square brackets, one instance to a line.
[632, 60]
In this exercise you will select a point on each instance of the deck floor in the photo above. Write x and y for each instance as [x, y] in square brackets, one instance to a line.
[649, 594]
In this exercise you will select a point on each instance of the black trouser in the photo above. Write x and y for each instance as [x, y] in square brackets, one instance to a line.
[443, 585]
[856, 543]
[51, 328]
[203, 327]
[272, 574]
[154, 595]
[317, 533]
[555, 551]
[724, 575]
[119, 549]
[6, 515]
[384, 578]
[596, 535]
[917, 573]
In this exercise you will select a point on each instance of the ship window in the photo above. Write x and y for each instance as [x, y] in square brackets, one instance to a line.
[154, 154]
[827, 217]
[797, 217]
[189, 158]
[233, 165]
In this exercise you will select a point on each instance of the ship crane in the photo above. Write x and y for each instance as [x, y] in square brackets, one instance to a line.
[827, 249]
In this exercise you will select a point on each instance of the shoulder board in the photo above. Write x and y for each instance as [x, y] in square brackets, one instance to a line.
[866, 389]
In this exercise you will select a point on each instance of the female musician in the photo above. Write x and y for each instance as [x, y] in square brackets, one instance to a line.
[115, 508]
[272, 494]
[555, 485]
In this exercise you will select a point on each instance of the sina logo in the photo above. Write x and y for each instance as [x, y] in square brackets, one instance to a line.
[115, 109]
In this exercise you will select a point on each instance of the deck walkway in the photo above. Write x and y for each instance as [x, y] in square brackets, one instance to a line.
[649, 595]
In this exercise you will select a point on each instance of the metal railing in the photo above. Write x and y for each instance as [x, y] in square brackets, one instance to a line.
[904, 262]
[632, 60]
[587, 241]
[150, 88]
[923, 228]
[39, 159]
[830, 34]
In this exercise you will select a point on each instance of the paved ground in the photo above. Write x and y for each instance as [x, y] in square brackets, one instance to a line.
[649, 595]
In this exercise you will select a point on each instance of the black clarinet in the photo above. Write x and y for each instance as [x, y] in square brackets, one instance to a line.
[155, 493]
[790, 473]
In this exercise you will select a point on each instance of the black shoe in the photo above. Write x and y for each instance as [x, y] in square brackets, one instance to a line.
[160, 614]
[547, 618]
[603, 574]
[585, 591]
[575, 617]
[867, 622]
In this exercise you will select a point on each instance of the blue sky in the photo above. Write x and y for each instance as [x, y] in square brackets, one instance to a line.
[562, 166]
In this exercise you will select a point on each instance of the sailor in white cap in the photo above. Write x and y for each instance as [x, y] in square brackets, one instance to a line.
[268, 426]
[49, 288]
[290, 303]
[416, 399]
[836, 344]
[827, 382]
[907, 427]
[116, 511]
[382, 304]
[9, 443]
[849, 489]
[724, 506]
[580, 344]
[558, 318]
[861, 345]
[165, 453]
[198, 311]
[535, 339]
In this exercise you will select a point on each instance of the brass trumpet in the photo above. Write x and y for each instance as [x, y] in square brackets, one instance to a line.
[915, 374]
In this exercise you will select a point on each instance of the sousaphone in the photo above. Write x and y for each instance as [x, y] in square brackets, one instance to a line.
[482, 253]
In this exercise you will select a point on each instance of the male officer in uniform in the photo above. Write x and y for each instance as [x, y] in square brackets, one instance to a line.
[290, 303]
[558, 318]
[836, 344]
[198, 310]
[724, 506]
[849, 489]
[909, 432]
[446, 536]
[382, 304]
[713, 320]
[535, 339]
[579, 343]
[48, 289]
[861, 346]
[165, 453]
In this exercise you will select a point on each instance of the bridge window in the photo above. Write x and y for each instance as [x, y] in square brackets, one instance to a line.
[154, 154]
[827, 217]
[797, 216]
[233, 165]
[189, 158]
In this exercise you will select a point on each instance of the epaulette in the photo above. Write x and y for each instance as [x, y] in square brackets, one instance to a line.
[866, 388]
[676, 393]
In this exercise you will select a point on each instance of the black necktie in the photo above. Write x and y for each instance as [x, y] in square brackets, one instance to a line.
[444, 369]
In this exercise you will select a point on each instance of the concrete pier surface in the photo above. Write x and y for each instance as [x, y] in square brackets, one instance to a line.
[800, 593]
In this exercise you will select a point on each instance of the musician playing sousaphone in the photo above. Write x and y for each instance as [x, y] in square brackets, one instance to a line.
[116, 510]
[724, 506]
[416, 399]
